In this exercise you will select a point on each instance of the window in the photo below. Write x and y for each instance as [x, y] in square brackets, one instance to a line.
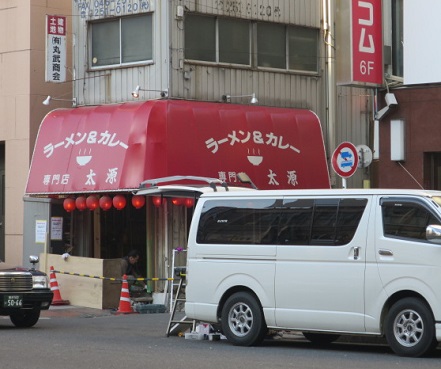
[326, 222]
[271, 222]
[121, 41]
[349, 215]
[295, 223]
[238, 222]
[287, 47]
[406, 219]
[271, 45]
[229, 40]
[432, 170]
[203, 33]
[200, 38]
[234, 41]
[303, 49]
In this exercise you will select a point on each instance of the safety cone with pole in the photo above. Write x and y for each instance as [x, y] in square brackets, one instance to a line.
[125, 306]
[57, 300]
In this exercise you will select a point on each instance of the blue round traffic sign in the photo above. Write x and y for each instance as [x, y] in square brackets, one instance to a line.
[345, 159]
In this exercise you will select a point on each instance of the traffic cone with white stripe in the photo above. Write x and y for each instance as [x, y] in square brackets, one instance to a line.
[56, 300]
[125, 306]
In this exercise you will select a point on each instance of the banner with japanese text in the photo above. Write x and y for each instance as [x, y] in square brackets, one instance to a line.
[367, 42]
[115, 147]
[56, 48]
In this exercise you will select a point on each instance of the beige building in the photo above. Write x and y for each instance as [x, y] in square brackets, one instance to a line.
[22, 90]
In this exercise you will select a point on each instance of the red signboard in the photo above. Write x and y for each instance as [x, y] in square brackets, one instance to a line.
[116, 147]
[367, 42]
[56, 25]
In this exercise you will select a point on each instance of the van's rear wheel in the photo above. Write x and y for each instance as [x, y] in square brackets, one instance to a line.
[410, 328]
[242, 320]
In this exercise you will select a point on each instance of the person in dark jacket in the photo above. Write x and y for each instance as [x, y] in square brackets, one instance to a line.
[130, 268]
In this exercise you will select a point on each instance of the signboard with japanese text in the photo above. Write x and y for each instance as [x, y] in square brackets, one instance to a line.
[116, 147]
[40, 231]
[56, 228]
[113, 8]
[56, 59]
[367, 42]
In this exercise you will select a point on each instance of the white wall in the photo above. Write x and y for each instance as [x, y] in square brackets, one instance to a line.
[422, 51]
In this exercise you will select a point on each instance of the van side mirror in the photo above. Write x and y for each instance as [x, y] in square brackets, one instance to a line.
[433, 233]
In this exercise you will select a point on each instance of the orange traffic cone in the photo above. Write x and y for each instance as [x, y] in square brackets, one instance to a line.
[125, 306]
[57, 300]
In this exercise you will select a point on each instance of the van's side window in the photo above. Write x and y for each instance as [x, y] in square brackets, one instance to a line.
[350, 212]
[295, 222]
[321, 222]
[252, 221]
[406, 219]
[324, 224]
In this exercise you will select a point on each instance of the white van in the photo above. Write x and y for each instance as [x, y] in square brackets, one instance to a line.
[322, 262]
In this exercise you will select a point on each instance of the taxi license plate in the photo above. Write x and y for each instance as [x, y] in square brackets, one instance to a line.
[13, 301]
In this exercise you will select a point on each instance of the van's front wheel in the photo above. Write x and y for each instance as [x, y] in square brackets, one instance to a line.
[410, 328]
[243, 322]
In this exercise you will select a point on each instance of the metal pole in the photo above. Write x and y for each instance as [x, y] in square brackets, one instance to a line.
[328, 15]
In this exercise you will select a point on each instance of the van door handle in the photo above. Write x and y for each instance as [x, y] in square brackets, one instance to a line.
[384, 252]
[356, 252]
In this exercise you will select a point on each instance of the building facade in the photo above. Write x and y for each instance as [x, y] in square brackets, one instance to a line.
[22, 89]
[284, 54]
[130, 53]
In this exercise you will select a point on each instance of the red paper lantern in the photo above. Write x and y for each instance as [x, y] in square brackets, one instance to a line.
[157, 201]
[92, 202]
[138, 201]
[105, 203]
[80, 203]
[119, 202]
[189, 202]
[69, 204]
[177, 201]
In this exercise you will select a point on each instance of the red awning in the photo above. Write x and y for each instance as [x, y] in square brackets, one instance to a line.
[116, 147]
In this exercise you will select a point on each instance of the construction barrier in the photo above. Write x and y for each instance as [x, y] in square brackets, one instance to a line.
[112, 279]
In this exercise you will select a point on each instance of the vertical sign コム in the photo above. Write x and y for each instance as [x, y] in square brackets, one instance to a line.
[55, 48]
[367, 42]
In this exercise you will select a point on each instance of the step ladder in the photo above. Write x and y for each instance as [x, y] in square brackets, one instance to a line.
[179, 298]
[176, 270]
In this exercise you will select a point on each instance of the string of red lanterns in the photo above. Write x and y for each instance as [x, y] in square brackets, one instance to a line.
[158, 201]
[138, 201]
[69, 204]
[119, 202]
[80, 203]
[92, 202]
[105, 202]
[188, 202]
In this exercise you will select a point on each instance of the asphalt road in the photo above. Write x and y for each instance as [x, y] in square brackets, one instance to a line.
[86, 338]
